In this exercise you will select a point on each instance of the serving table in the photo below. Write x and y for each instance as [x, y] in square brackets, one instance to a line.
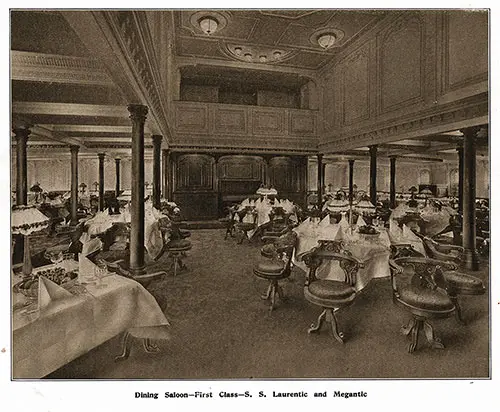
[67, 328]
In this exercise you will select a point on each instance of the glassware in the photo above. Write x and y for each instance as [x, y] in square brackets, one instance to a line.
[100, 272]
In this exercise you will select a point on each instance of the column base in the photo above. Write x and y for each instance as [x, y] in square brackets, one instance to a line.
[471, 259]
[137, 271]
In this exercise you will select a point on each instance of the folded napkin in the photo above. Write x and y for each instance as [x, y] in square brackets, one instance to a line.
[340, 235]
[325, 221]
[395, 232]
[85, 265]
[48, 292]
[360, 222]
[408, 234]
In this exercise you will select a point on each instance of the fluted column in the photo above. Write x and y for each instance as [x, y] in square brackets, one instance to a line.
[392, 185]
[74, 184]
[460, 151]
[117, 176]
[373, 174]
[351, 179]
[156, 170]
[469, 198]
[138, 116]
[101, 181]
[21, 134]
[320, 179]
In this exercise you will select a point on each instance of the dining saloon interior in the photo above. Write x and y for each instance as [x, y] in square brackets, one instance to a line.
[226, 194]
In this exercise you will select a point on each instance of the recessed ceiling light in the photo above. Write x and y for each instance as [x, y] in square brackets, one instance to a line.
[277, 55]
[327, 40]
[263, 59]
[238, 51]
[248, 56]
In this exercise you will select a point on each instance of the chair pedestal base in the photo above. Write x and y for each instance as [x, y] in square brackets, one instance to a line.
[458, 309]
[273, 289]
[148, 346]
[177, 261]
[414, 327]
[328, 314]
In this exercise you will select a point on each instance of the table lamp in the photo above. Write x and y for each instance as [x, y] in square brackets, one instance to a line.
[26, 220]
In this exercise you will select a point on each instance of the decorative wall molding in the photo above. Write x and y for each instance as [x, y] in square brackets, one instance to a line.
[236, 149]
[40, 67]
[244, 125]
[464, 113]
[402, 28]
[130, 28]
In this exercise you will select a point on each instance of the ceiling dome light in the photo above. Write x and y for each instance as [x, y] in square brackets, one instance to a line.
[277, 55]
[262, 59]
[208, 25]
[248, 56]
[238, 51]
[327, 40]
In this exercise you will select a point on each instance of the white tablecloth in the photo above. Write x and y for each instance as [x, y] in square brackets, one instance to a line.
[373, 253]
[69, 328]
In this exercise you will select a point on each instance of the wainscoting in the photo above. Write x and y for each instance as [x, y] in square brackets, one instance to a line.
[204, 185]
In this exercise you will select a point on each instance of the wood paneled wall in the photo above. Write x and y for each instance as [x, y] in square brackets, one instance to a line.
[204, 184]
[418, 70]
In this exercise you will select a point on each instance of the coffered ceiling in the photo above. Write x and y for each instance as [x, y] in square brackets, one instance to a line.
[284, 30]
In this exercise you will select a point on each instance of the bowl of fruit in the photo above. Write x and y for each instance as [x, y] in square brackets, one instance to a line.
[29, 285]
[368, 232]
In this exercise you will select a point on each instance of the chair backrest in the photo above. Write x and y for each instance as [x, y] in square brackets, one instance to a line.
[331, 250]
[420, 272]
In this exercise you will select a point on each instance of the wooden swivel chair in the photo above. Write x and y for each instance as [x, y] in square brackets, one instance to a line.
[331, 295]
[455, 282]
[415, 287]
[242, 228]
[276, 266]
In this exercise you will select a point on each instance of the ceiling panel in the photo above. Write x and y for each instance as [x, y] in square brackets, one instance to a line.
[290, 30]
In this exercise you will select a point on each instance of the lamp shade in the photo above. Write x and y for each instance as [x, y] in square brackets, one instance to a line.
[365, 206]
[27, 219]
[337, 205]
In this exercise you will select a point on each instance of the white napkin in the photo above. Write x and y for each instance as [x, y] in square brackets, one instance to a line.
[360, 222]
[395, 232]
[340, 234]
[48, 292]
[408, 234]
[85, 265]
[325, 222]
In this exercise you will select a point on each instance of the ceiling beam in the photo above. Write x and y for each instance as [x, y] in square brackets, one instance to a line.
[54, 68]
[69, 109]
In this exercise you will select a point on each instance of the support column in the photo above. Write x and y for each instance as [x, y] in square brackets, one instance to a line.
[392, 186]
[117, 174]
[373, 174]
[101, 181]
[164, 173]
[138, 116]
[74, 184]
[21, 134]
[460, 151]
[320, 180]
[351, 179]
[469, 198]
[156, 170]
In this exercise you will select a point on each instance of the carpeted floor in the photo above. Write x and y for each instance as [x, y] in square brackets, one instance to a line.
[222, 329]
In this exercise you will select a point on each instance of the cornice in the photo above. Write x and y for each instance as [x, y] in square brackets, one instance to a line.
[40, 67]
[235, 149]
[451, 116]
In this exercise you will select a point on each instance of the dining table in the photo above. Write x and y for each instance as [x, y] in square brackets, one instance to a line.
[373, 250]
[45, 338]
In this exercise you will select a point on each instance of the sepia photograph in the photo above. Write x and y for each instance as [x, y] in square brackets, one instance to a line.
[249, 194]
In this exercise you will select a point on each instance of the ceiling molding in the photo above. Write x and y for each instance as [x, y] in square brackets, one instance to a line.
[69, 109]
[465, 113]
[53, 68]
[182, 61]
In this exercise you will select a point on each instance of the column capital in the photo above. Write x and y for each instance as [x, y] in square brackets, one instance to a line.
[351, 161]
[21, 131]
[138, 112]
[470, 131]
[74, 148]
[373, 148]
[157, 138]
[117, 160]
[393, 157]
[101, 156]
